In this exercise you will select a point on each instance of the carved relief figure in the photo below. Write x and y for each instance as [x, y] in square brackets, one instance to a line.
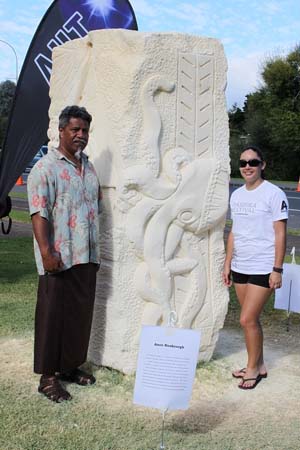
[160, 146]
[164, 199]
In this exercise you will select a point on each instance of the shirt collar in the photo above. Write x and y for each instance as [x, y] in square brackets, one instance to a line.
[59, 155]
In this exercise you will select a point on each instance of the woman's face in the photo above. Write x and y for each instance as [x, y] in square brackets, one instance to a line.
[251, 174]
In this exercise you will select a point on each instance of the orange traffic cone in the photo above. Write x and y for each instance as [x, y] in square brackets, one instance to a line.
[19, 181]
[298, 186]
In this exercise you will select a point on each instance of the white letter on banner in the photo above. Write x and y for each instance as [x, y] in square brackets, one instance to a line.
[44, 65]
[73, 22]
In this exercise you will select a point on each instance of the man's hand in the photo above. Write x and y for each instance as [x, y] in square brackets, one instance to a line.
[52, 261]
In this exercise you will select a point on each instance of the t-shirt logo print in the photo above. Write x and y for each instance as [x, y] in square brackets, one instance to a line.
[283, 206]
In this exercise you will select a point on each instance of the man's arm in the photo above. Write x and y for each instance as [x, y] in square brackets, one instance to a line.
[52, 261]
[275, 279]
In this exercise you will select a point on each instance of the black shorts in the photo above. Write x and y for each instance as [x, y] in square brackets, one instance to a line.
[258, 280]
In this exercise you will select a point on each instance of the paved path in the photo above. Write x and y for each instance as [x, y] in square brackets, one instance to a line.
[21, 204]
[18, 229]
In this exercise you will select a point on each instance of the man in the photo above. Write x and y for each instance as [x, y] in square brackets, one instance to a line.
[64, 201]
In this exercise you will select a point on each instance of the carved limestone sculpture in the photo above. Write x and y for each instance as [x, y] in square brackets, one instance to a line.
[159, 141]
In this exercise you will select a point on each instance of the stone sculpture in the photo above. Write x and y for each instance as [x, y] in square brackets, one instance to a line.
[159, 141]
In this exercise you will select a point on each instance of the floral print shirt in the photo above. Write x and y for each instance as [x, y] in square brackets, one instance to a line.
[70, 201]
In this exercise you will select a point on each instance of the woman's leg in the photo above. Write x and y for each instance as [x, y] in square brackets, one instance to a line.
[241, 291]
[252, 304]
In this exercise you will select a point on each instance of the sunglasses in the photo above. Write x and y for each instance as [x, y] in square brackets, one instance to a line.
[251, 162]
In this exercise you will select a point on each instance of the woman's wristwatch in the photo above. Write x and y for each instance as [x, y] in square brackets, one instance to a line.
[278, 269]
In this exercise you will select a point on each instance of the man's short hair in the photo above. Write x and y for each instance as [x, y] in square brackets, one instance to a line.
[74, 111]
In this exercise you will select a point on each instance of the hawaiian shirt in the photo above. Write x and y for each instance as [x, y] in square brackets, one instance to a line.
[70, 200]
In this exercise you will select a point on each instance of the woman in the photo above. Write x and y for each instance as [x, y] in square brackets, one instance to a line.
[255, 254]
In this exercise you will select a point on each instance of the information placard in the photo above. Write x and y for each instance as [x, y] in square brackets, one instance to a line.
[166, 367]
[288, 296]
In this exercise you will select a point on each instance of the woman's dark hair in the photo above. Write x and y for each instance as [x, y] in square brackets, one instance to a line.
[259, 153]
[255, 149]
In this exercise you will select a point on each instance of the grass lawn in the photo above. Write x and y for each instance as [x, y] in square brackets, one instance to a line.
[15, 194]
[20, 216]
[100, 417]
[18, 281]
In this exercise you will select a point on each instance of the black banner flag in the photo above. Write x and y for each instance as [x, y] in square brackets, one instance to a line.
[27, 129]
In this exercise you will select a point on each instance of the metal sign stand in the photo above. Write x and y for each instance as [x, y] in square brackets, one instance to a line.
[289, 308]
[171, 323]
[162, 444]
[293, 251]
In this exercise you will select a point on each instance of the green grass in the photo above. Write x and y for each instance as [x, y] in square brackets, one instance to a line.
[18, 281]
[15, 194]
[100, 417]
[269, 317]
[90, 423]
[293, 232]
[20, 216]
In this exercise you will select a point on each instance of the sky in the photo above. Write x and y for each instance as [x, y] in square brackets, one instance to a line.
[250, 30]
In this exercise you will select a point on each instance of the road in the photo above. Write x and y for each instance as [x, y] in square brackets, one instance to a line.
[294, 209]
[294, 206]
[293, 198]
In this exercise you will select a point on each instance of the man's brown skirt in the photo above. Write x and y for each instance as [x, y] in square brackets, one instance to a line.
[63, 319]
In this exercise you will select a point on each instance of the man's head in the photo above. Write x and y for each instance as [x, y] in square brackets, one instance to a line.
[74, 125]
[76, 112]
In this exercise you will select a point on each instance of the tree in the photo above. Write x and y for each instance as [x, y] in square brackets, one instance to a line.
[7, 92]
[271, 117]
[237, 137]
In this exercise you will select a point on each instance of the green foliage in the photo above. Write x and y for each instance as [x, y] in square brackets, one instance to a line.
[238, 137]
[270, 118]
[278, 76]
[236, 118]
[7, 92]
[3, 126]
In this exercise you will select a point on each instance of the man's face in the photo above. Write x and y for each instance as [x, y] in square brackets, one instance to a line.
[74, 137]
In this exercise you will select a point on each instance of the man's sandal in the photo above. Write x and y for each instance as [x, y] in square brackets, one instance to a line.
[51, 388]
[79, 377]
[241, 373]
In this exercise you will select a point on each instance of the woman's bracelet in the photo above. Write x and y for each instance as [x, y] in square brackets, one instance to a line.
[278, 269]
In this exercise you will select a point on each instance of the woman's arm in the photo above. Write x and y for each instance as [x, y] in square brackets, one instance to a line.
[227, 263]
[275, 279]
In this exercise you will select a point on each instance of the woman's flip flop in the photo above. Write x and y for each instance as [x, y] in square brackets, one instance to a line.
[252, 386]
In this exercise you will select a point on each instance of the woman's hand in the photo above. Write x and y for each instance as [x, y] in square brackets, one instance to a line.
[226, 275]
[275, 280]
[227, 263]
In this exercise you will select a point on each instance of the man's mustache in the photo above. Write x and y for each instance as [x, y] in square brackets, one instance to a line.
[81, 141]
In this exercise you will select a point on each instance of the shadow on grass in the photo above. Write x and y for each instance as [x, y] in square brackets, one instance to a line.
[201, 419]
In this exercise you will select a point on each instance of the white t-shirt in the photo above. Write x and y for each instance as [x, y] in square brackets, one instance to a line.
[253, 213]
